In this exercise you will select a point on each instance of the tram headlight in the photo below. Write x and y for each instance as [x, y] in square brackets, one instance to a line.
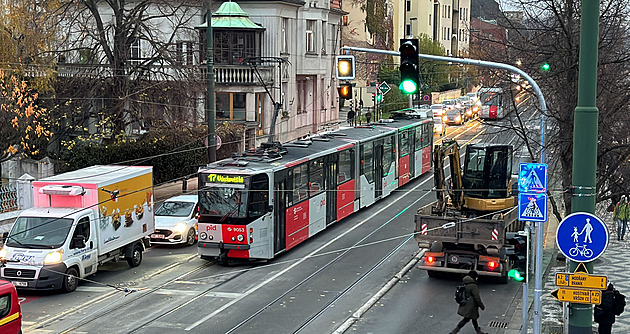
[203, 235]
[240, 238]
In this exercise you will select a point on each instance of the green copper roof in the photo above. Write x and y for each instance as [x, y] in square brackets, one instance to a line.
[231, 16]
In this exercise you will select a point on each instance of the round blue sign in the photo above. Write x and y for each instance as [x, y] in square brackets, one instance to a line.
[582, 237]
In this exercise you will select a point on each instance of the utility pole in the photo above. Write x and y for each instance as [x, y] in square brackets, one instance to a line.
[585, 143]
[210, 102]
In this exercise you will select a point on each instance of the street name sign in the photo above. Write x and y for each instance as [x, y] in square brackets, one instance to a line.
[579, 296]
[582, 237]
[581, 279]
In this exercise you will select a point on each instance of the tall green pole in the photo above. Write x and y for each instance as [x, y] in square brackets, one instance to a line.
[585, 143]
[210, 101]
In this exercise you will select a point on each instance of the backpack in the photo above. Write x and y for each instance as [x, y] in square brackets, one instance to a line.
[460, 295]
[619, 302]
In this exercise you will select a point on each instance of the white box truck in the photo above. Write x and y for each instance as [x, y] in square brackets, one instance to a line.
[80, 220]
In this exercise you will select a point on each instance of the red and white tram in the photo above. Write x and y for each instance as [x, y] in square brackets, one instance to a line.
[493, 103]
[263, 203]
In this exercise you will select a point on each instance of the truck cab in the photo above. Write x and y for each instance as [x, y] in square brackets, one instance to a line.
[50, 248]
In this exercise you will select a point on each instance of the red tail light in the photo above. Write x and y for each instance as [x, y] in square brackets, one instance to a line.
[429, 259]
[492, 265]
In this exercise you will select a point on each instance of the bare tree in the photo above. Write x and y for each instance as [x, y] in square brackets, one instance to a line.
[549, 33]
[128, 62]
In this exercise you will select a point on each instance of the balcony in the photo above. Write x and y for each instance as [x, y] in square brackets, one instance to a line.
[241, 75]
[223, 74]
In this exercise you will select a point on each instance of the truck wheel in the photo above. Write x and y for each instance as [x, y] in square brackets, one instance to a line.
[136, 256]
[191, 237]
[70, 280]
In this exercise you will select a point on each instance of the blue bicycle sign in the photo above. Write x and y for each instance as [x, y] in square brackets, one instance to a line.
[582, 237]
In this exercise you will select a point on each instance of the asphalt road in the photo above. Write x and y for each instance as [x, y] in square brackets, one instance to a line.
[314, 288]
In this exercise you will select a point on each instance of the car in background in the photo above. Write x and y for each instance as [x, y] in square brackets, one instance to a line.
[467, 105]
[454, 116]
[476, 102]
[176, 221]
[438, 110]
[451, 104]
[10, 312]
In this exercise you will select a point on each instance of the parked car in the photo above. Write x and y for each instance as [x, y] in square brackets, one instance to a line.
[10, 313]
[438, 110]
[454, 116]
[176, 221]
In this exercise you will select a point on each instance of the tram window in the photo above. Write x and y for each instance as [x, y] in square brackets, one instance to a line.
[300, 182]
[367, 161]
[427, 134]
[345, 166]
[420, 141]
[259, 195]
[403, 138]
[388, 154]
[316, 176]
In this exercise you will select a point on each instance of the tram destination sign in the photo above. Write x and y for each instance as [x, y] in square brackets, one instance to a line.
[578, 296]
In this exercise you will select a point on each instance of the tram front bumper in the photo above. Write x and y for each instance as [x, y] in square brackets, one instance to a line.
[216, 248]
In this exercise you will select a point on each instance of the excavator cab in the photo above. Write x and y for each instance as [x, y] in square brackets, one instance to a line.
[484, 182]
[486, 178]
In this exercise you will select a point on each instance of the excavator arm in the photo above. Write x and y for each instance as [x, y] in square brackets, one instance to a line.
[448, 148]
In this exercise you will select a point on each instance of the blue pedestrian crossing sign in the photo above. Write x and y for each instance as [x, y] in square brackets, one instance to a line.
[532, 207]
[582, 237]
[532, 178]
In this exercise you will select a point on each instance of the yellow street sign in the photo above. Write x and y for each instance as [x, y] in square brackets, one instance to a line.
[579, 296]
[582, 281]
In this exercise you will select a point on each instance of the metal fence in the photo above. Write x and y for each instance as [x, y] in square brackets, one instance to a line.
[8, 197]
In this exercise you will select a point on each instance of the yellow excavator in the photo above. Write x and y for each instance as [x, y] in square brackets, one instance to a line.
[474, 222]
[483, 185]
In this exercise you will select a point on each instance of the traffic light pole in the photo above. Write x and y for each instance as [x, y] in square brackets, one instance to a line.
[543, 108]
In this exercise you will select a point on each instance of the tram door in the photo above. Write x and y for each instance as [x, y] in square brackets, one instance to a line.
[281, 200]
[330, 173]
[412, 153]
[378, 168]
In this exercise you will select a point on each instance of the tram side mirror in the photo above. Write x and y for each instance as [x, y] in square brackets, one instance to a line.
[270, 208]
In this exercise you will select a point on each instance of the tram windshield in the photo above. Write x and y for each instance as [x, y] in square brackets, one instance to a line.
[224, 196]
[491, 98]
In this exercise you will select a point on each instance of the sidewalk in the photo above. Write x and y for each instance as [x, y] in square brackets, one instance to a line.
[612, 264]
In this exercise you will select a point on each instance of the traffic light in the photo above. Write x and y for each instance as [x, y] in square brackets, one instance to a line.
[345, 67]
[379, 97]
[345, 91]
[409, 82]
[516, 275]
[545, 67]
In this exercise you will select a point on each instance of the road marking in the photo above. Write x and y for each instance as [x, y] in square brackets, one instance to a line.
[308, 256]
[93, 288]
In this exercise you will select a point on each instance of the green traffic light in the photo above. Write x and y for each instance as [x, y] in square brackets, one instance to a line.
[379, 97]
[545, 67]
[515, 275]
[408, 87]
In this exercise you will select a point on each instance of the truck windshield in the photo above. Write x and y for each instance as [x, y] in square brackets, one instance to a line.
[39, 232]
[224, 201]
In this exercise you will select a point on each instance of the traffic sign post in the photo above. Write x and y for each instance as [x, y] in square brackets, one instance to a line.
[532, 178]
[532, 207]
[384, 87]
[581, 279]
[582, 237]
[580, 296]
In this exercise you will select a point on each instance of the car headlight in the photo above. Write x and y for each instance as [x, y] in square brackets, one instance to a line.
[445, 118]
[3, 254]
[180, 228]
[458, 118]
[54, 257]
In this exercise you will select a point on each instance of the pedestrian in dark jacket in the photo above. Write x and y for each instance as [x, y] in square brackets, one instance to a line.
[470, 311]
[605, 312]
